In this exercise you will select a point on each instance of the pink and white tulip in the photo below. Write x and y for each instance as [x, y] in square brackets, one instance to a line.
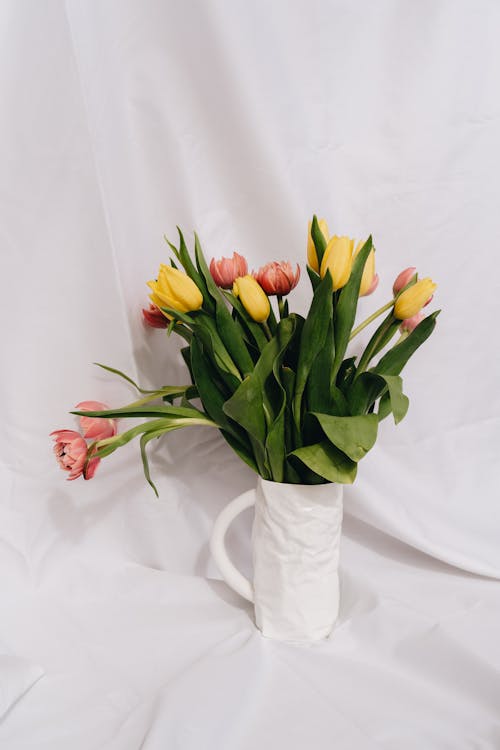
[403, 279]
[71, 452]
[154, 317]
[278, 278]
[372, 286]
[409, 325]
[96, 428]
[226, 270]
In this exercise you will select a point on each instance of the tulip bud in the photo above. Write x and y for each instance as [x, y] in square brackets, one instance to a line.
[409, 325]
[226, 270]
[312, 257]
[71, 453]
[411, 301]
[403, 279]
[372, 286]
[174, 289]
[338, 260]
[253, 298]
[155, 318]
[367, 286]
[278, 278]
[96, 428]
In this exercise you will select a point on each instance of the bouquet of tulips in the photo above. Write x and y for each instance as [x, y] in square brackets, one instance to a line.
[277, 386]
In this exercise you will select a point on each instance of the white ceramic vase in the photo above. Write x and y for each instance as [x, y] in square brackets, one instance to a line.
[295, 546]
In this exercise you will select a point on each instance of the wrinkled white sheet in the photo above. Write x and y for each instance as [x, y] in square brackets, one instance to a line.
[122, 119]
[17, 676]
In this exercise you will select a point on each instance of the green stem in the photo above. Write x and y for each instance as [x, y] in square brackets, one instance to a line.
[267, 330]
[371, 318]
[156, 395]
[281, 305]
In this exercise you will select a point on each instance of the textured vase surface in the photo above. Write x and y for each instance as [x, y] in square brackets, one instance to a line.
[295, 549]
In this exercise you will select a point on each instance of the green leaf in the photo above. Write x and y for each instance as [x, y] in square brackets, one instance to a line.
[370, 386]
[249, 405]
[186, 356]
[345, 311]
[314, 277]
[327, 461]
[276, 439]
[253, 328]
[380, 338]
[393, 362]
[399, 402]
[206, 330]
[213, 394]
[288, 381]
[167, 424]
[143, 411]
[227, 328]
[145, 463]
[312, 340]
[193, 273]
[354, 436]
[319, 240]
[366, 389]
[319, 386]
[177, 315]
[346, 374]
[124, 376]
[384, 407]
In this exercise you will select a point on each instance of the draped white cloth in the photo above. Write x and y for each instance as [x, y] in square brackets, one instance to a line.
[121, 119]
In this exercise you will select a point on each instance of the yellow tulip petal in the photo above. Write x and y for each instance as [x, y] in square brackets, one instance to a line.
[338, 260]
[368, 273]
[253, 298]
[411, 301]
[176, 290]
[312, 257]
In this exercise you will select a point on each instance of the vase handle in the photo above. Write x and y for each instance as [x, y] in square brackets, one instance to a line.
[230, 573]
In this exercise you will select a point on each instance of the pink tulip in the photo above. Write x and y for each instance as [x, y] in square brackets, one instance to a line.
[71, 452]
[226, 270]
[91, 468]
[409, 325]
[278, 278]
[403, 279]
[96, 428]
[154, 317]
[372, 286]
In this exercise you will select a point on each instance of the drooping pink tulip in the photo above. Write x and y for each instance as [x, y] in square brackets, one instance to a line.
[409, 325]
[278, 278]
[403, 279]
[91, 468]
[71, 452]
[372, 286]
[96, 428]
[154, 317]
[226, 270]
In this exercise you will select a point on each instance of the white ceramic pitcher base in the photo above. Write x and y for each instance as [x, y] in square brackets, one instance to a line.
[295, 542]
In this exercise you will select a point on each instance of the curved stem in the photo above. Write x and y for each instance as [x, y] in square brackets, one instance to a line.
[371, 318]
[267, 330]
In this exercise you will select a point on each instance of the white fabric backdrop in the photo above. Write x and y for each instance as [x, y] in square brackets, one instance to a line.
[239, 120]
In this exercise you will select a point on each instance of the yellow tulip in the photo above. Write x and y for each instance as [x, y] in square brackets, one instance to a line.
[338, 260]
[312, 257]
[176, 290]
[253, 298]
[368, 271]
[413, 299]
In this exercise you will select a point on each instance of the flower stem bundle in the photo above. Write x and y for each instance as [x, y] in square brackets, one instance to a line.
[281, 388]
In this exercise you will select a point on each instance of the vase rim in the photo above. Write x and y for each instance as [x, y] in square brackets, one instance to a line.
[333, 487]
